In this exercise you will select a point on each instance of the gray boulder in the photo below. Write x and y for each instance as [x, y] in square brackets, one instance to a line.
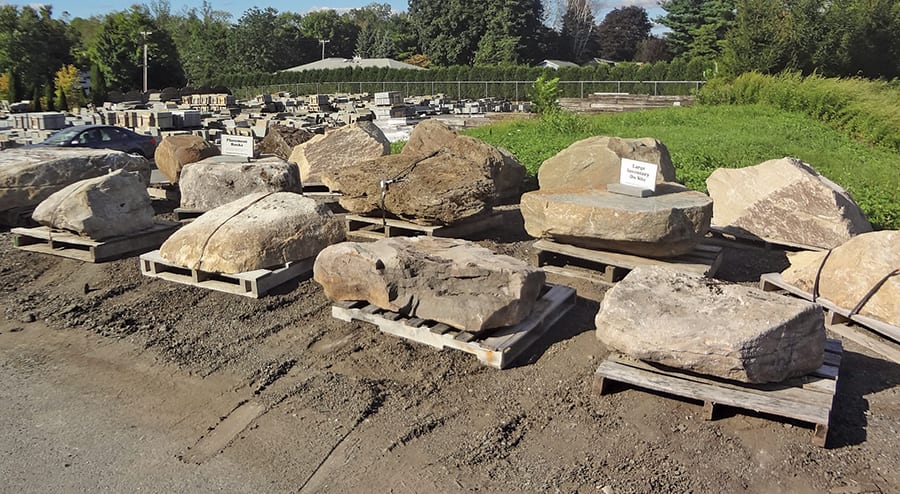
[446, 280]
[339, 149]
[174, 152]
[710, 327]
[257, 231]
[219, 180]
[110, 206]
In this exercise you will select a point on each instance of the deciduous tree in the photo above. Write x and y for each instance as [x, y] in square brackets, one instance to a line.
[621, 31]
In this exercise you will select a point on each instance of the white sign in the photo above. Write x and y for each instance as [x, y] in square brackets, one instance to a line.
[638, 174]
[237, 145]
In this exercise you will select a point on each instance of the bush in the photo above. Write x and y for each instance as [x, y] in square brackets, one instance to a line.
[545, 95]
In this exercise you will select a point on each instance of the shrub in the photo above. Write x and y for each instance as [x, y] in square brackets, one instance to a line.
[545, 95]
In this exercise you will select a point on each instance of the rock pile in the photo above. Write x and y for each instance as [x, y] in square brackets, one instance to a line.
[219, 180]
[174, 152]
[323, 155]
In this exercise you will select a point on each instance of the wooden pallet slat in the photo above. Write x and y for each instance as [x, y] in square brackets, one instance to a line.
[45, 240]
[724, 236]
[376, 228]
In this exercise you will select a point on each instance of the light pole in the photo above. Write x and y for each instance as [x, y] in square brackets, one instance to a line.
[323, 41]
[145, 33]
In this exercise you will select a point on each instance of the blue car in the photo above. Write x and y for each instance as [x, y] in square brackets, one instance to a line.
[103, 137]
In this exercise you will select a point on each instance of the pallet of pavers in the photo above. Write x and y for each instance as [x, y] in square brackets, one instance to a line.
[376, 228]
[725, 237]
[610, 267]
[61, 243]
[495, 348]
[807, 399]
[840, 320]
[253, 284]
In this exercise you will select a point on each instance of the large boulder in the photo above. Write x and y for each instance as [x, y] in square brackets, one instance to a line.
[597, 161]
[174, 152]
[219, 180]
[439, 178]
[784, 201]
[670, 223]
[281, 140]
[28, 176]
[710, 327]
[104, 207]
[447, 280]
[258, 231]
[851, 271]
[339, 149]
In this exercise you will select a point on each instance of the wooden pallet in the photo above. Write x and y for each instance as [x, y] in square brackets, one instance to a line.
[320, 191]
[61, 243]
[726, 237]
[374, 228]
[498, 348]
[164, 190]
[807, 399]
[610, 267]
[838, 319]
[253, 284]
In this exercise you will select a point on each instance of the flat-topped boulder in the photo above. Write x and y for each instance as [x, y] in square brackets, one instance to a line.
[99, 208]
[670, 223]
[219, 180]
[711, 327]
[281, 140]
[597, 160]
[28, 176]
[452, 281]
[174, 152]
[784, 201]
[850, 271]
[339, 149]
[257, 231]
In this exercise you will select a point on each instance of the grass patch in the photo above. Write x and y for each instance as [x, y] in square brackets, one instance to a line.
[703, 138]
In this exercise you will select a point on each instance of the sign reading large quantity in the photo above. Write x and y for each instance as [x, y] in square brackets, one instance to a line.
[638, 174]
[237, 146]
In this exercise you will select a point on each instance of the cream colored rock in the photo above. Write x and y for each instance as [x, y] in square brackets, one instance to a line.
[784, 201]
[711, 327]
[341, 148]
[174, 152]
[219, 180]
[258, 231]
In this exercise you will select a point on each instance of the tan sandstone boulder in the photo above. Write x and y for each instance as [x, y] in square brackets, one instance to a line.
[176, 151]
[452, 281]
[219, 180]
[711, 327]
[597, 161]
[338, 149]
[851, 271]
[258, 231]
[784, 201]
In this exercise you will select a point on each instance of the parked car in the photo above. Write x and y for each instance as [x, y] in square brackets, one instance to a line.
[103, 137]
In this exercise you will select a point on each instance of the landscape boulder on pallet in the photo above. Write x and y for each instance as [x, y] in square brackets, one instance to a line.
[851, 271]
[439, 178]
[711, 327]
[174, 152]
[28, 176]
[452, 281]
[281, 140]
[784, 201]
[99, 208]
[258, 231]
[597, 161]
[670, 223]
[327, 154]
[220, 180]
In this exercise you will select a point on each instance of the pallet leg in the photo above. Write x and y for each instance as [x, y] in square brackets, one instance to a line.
[613, 274]
[820, 435]
[542, 258]
[709, 410]
[602, 386]
[832, 318]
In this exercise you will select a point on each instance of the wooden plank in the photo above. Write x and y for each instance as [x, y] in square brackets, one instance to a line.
[182, 214]
[703, 262]
[862, 337]
[374, 227]
[731, 238]
[65, 244]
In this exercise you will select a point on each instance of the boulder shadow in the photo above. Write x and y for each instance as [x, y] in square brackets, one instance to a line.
[860, 377]
[579, 319]
[748, 264]
[511, 229]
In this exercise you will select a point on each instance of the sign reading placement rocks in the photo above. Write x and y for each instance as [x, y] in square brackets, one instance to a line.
[638, 174]
[237, 146]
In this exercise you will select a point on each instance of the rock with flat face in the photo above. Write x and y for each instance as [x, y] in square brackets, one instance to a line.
[711, 327]
[339, 149]
[597, 161]
[451, 281]
[99, 208]
[219, 180]
[174, 152]
[784, 201]
[670, 223]
[851, 271]
[281, 140]
[257, 231]
[28, 176]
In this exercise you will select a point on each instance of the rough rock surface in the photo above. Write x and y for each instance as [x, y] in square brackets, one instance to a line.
[784, 200]
[339, 149]
[174, 152]
[597, 161]
[280, 140]
[99, 208]
[216, 181]
[710, 327]
[447, 280]
[440, 178]
[28, 176]
[258, 231]
[851, 271]
[670, 223]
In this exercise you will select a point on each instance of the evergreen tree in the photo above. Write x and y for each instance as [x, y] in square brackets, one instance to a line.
[36, 99]
[98, 85]
[61, 103]
[48, 96]
[13, 91]
[698, 27]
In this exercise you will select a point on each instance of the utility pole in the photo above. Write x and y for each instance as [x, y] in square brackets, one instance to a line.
[145, 33]
[323, 41]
